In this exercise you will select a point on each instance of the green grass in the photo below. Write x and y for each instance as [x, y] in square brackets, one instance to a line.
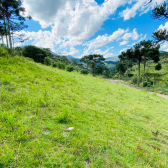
[112, 123]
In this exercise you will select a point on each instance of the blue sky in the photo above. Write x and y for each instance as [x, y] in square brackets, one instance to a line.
[82, 27]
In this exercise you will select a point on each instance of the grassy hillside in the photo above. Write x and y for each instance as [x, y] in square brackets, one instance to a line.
[112, 123]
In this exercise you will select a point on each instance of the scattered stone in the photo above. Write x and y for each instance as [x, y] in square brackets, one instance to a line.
[70, 129]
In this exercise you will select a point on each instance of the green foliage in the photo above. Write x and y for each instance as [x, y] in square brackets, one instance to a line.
[61, 65]
[134, 80]
[64, 60]
[92, 60]
[47, 61]
[121, 68]
[64, 118]
[36, 53]
[54, 64]
[106, 72]
[147, 84]
[84, 71]
[160, 35]
[158, 66]
[160, 12]
[18, 51]
[141, 53]
[69, 68]
[11, 19]
[162, 90]
[3, 52]
[76, 68]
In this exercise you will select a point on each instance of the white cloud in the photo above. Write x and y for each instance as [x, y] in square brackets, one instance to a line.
[41, 38]
[164, 27]
[123, 43]
[71, 52]
[134, 35]
[105, 39]
[143, 38]
[123, 50]
[75, 21]
[108, 55]
[138, 6]
[101, 52]
[164, 47]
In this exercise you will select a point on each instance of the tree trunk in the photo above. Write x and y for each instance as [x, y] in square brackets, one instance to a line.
[10, 41]
[138, 73]
[2, 39]
[127, 70]
[7, 40]
[154, 81]
[144, 72]
[6, 32]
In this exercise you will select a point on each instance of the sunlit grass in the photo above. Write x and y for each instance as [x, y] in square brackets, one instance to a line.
[113, 124]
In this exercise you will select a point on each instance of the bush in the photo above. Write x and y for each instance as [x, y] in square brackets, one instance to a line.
[3, 52]
[76, 68]
[134, 80]
[163, 90]
[54, 65]
[69, 68]
[61, 65]
[147, 84]
[47, 61]
[84, 71]
[34, 52]
[158, 67]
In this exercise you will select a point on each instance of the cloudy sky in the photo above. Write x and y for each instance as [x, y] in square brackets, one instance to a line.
[82, 27]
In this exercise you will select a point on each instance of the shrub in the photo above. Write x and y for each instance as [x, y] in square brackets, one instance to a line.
[69, 68]
[76, 68]
[54, 65]
[147, 84]
[158, 67]
[134, 80]
[3, 52]
[34, 52]
[84, 71]
[47, 61]
[61, 65]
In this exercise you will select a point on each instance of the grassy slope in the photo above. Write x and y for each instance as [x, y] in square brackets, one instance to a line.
[112, 123]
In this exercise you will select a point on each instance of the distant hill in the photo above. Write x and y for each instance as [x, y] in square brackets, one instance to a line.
[110, 62]
[71, 58]
[114, 59]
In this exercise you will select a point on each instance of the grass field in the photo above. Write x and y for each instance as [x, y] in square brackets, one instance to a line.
[112, 124]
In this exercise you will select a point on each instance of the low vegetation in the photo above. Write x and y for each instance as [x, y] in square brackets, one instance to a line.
[155, 76]
[114, 126]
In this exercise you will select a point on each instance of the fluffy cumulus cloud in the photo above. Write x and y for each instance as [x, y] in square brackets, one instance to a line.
[105, 53]
[134, 35]
[105, 39]
[123, 43]
[163, 27]
[73, 22]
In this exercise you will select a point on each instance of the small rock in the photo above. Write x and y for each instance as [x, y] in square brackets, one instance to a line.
[70, 129]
